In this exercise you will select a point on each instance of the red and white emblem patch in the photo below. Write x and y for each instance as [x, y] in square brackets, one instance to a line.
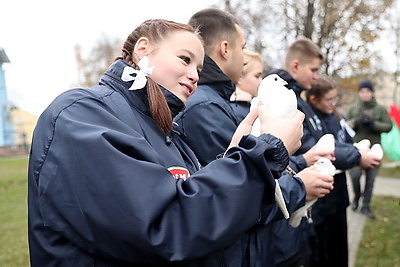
[179, 172]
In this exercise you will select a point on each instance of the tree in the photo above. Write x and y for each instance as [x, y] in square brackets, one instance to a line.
[346, 30]
[394, 36]
[91, 68]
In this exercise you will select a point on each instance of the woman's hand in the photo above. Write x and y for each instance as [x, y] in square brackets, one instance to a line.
[314, 154]
[288, 129]
[244, 128]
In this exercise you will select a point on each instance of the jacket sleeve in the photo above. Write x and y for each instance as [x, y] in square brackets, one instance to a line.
[383, 123]
[294, 194]
[347, 156]
[297, 162]
[111, 197]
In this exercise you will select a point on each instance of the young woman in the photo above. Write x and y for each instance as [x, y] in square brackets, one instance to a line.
[329, 245]
[112, 184]
[247, 86]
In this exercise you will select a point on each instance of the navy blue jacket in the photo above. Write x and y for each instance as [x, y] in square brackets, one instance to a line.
[346, 155]
[103, 186]
[207, 125]
[241, 109]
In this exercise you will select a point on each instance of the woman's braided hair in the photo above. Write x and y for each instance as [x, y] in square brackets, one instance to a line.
[155, 30]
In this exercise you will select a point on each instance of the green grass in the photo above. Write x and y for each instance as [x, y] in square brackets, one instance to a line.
[13, 210]
[389, 172]
[393, 172]
[380, 244]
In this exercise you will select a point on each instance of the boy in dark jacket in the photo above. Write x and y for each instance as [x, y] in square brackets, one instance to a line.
[208, 122]
[302, 63]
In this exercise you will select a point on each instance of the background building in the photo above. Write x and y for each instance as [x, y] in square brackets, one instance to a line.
[16, 125]
[6, 126]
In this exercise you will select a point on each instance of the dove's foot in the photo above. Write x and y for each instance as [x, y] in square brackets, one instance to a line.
[368, 213]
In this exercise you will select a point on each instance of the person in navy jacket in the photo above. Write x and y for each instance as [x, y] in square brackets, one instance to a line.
[111, 183]
[329, 244]
[209, 121]
[302, 62]
[247, 85]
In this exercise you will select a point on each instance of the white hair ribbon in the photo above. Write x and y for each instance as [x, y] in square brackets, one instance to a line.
[137, 76]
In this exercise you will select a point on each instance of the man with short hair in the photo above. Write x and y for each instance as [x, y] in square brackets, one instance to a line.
[208, 123]
[302, 63]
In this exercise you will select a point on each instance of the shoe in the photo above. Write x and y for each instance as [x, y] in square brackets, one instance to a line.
[368, 213]
[354, 205]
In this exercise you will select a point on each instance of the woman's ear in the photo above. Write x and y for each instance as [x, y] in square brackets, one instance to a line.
[141, 48]
[313, 100]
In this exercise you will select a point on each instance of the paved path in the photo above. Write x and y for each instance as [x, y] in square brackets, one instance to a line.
[355, 220]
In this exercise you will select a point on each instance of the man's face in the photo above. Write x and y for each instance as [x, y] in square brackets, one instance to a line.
[235, 61]
[365, 94]
[306, 73]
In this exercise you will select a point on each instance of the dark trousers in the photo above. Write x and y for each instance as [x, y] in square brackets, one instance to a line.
[329, 245]
[297, 260]
[370, 175]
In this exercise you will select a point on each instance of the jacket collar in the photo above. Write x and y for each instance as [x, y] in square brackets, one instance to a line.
[368, 105]
[292, 83]
[212, 75]
[137, 98]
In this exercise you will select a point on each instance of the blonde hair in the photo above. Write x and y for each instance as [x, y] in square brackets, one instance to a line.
[253, 58]
[303, 50]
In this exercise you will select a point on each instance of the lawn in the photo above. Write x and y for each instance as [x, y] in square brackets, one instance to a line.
[13, 210]
[380, 244]
[392, 171]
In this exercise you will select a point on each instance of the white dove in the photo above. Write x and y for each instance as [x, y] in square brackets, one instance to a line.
[324, 166]
[376, 149]
[279, 100]
[326, 143]
[363, 144]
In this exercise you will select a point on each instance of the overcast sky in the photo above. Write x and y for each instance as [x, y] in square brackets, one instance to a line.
[39, 36]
